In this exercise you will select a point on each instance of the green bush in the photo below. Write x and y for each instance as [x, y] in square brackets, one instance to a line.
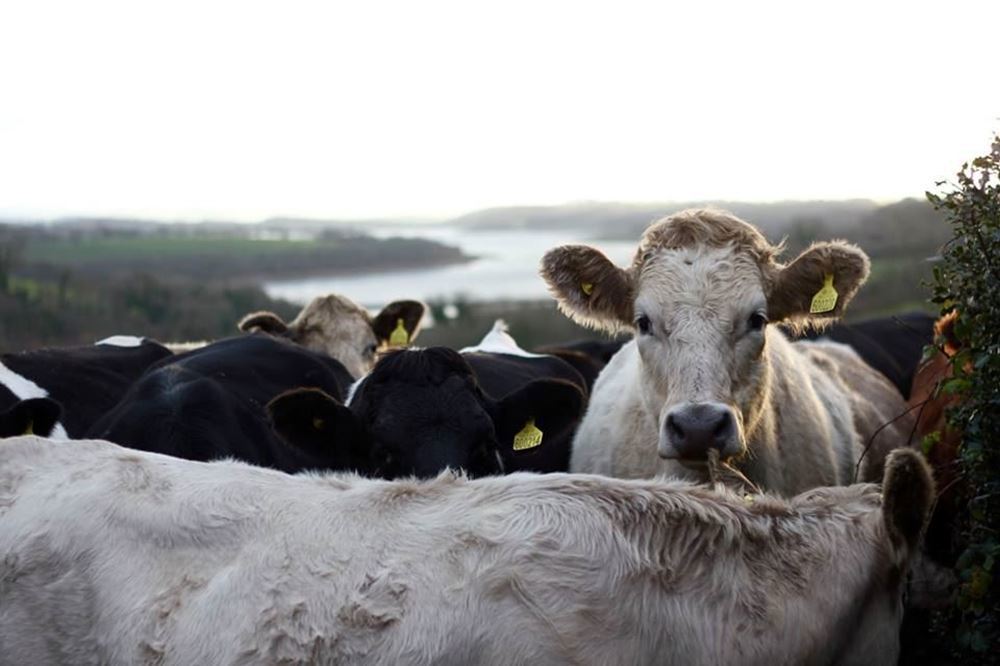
[968, 280]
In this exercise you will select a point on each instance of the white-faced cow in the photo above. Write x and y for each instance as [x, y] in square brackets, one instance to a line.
[86, 381]
[112, 556]
[210, 403]
[490, 409]
[337, 326]
[706, 370]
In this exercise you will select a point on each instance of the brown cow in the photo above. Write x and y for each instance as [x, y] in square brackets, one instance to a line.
[931, 407]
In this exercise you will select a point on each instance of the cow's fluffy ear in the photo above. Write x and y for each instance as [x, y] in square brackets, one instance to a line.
[589, 288]
[552, 406]
[837, 265]
[34, 416]
[267, 322]
[318, 424]
[398, 317]
[907, 496]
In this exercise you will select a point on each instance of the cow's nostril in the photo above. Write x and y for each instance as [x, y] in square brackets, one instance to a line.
[722, 427]
[674, 428]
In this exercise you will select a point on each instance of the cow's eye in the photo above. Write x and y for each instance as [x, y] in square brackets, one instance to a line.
[757, 321]
[643, 324]
[371, 349]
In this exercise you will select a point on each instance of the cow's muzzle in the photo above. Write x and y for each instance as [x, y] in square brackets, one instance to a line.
[691, 429]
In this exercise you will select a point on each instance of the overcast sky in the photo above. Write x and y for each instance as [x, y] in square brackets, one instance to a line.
[245, 109]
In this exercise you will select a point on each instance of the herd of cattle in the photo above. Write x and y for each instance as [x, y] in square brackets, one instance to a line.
[488, 504]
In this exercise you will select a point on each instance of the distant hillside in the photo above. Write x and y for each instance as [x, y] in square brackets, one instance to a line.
[910, 228]
[235, 253]
[615, 221]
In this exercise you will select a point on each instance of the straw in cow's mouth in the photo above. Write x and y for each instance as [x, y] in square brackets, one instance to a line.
[722, 474]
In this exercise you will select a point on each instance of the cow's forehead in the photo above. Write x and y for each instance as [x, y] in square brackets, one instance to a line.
[717, 278]
[333, 310]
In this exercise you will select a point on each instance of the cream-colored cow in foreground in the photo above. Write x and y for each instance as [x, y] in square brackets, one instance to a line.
[707, 370]
[115, 556]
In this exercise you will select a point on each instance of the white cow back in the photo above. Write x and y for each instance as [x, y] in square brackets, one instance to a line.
[119, 556]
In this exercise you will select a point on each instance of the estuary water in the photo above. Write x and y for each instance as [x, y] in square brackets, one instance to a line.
[506, 268]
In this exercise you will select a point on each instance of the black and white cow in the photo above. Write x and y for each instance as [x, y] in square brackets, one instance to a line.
[487, 410]
[210, 403]
[86, 381]
[34, 416]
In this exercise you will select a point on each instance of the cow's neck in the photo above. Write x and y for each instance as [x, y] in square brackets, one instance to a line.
[760, 416]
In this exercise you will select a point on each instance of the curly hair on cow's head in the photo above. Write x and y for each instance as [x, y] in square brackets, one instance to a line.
[713, 227]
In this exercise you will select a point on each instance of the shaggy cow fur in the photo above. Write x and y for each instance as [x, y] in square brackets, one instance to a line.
[141, 558]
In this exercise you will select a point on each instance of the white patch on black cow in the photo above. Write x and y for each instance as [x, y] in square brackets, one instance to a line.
[24, 388]
[121, 341]
[353, 388]
[499, 341]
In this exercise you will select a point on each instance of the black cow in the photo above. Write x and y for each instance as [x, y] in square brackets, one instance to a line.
[86, 381]
[588, 357]
[892, 345]
[420, 411]
[34, 416]
[210, 403]
[600, 351]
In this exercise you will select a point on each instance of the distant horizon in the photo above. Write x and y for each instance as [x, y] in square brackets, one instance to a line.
[16, 218]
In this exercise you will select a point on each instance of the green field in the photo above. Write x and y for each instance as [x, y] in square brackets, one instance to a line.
[218, 257]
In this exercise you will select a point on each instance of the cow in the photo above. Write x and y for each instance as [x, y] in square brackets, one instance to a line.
[931, 407]
[337, 326]
[706, 370]
[600, 351]
[488, 409]
[86, 381]
[588, 357]
[892, 345]
[211, 403]
[118, 557]
[34, 416]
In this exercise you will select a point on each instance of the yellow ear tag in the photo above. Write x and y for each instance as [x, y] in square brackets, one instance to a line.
[30, 430]
[318, 423]
[826, 298]
[587, 288]
[399, 337]
[529, 437]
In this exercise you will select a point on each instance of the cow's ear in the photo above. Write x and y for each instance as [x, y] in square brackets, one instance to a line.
[818, 285]
[34, 416]
[316, 423]
[267, 322]
[589, 288]
[541, 410]
[907, 496]
[398, 323]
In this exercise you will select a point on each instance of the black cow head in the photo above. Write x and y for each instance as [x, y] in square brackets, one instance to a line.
[34, 416]
[320, 427]
[421, 411]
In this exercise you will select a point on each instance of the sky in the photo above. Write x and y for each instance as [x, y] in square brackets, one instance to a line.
[370, 109]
